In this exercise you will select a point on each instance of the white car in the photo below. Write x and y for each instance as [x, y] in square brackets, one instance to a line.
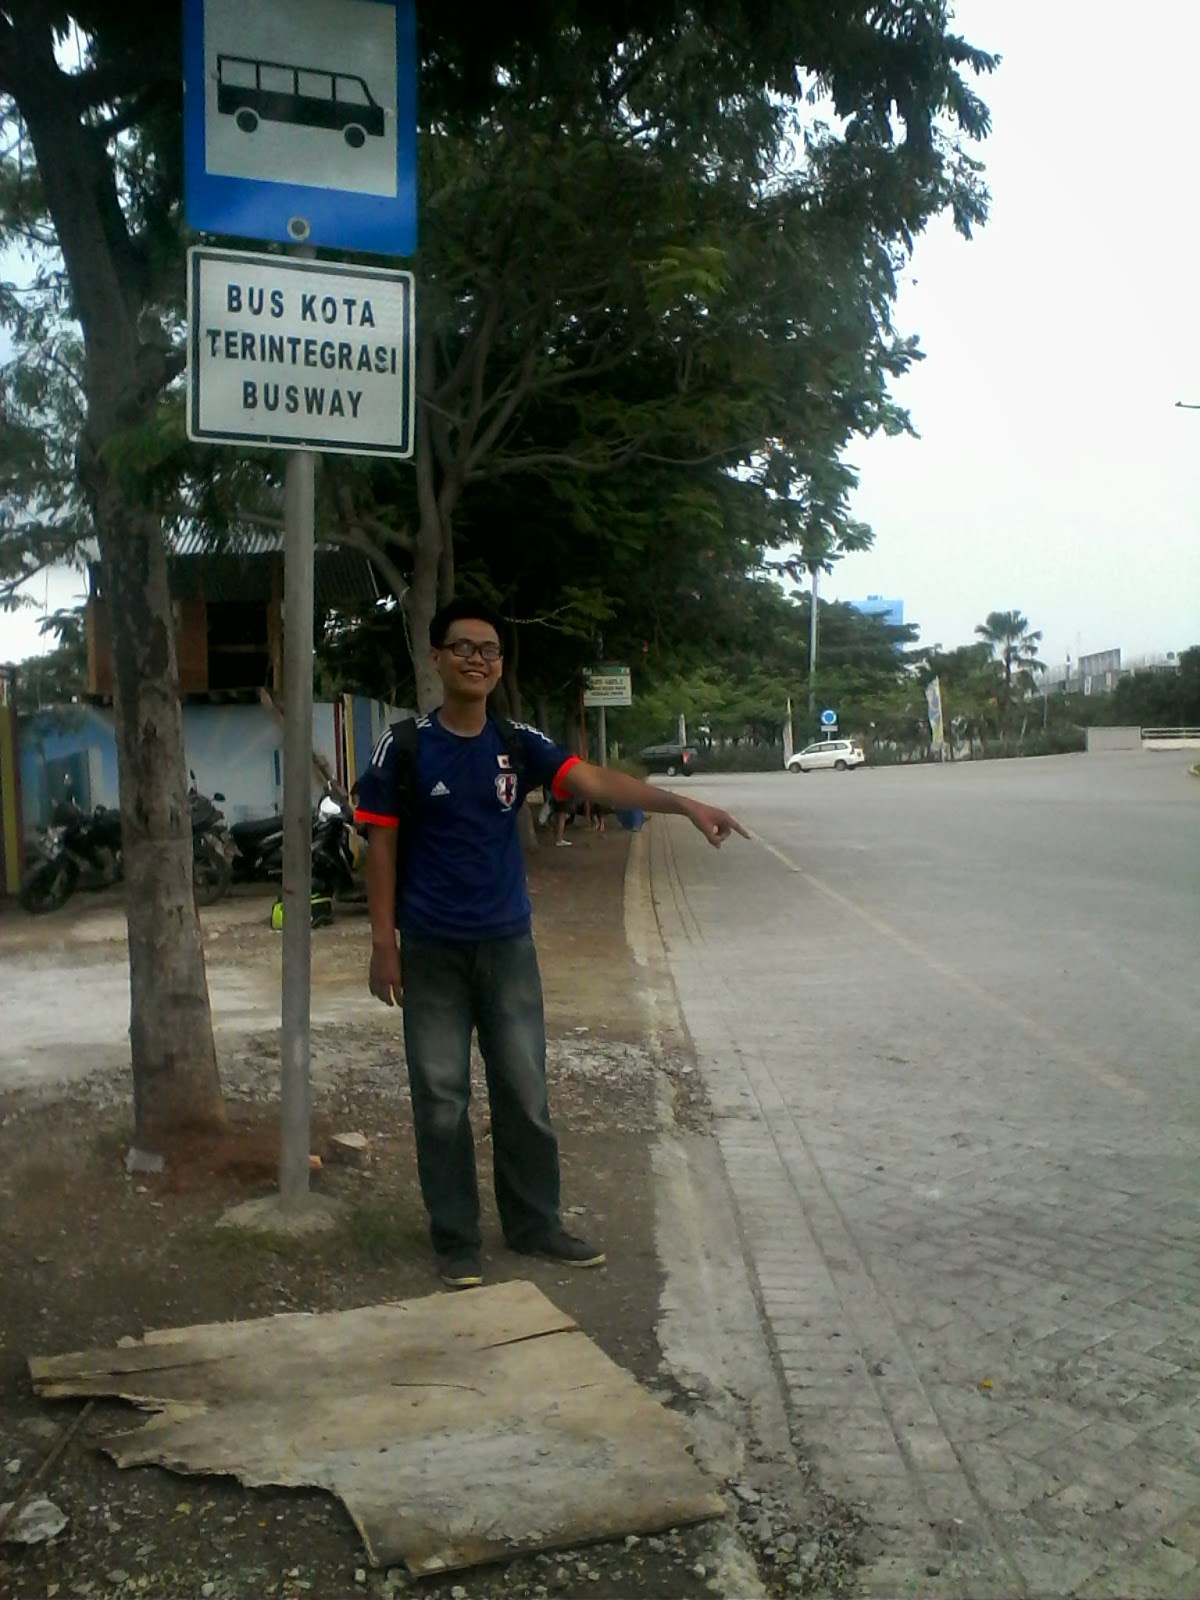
[841, 754]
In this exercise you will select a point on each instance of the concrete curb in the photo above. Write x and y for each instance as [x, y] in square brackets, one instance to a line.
[709, 1328]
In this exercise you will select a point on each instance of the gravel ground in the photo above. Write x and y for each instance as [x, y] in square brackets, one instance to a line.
[89, 1254]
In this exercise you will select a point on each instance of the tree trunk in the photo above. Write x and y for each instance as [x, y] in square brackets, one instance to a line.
[420, 604]
[512, 675]
[446, 578]
[428, 568]
[175, 1081]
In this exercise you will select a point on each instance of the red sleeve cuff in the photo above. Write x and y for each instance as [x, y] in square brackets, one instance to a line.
[556, 788]
[374, 820]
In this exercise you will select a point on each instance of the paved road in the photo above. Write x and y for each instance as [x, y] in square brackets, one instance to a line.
[950, 1024]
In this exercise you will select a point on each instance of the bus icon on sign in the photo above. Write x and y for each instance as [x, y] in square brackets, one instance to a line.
[253, 91]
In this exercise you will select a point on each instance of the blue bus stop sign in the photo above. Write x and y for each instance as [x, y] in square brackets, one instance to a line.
[829, 719]
[300, 122]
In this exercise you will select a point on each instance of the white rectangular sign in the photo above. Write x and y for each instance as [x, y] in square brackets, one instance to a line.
[301, 354]
[611, 686]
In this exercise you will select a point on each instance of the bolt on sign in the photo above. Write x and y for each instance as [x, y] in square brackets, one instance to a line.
[301, 354]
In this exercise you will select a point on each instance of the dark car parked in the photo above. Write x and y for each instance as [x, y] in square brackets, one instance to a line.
[673, 760]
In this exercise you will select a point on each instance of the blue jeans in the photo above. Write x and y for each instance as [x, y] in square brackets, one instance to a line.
[493, 986]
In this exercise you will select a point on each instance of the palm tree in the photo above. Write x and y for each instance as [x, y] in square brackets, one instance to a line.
[1008, 636]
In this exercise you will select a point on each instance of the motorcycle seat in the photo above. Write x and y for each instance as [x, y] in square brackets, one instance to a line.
[261, 829]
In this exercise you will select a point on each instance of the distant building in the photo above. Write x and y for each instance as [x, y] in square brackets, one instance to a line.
[228, 604]
[875, 605]
[1099, 671]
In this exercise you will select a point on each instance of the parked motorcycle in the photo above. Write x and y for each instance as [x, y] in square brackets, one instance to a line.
[212, 849]
[258, 848]
[79, 850]
[82, 850]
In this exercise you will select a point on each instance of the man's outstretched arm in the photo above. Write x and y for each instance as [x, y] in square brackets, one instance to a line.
[606, 787]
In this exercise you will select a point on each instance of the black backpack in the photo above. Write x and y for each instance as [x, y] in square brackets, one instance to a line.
[404, 741]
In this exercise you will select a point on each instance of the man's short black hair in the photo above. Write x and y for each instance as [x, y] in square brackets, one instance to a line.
[463, 609]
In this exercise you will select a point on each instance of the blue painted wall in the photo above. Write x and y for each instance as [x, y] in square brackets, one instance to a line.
[233, 750]
[75, 738]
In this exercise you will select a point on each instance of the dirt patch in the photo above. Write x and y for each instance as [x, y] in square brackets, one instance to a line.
[89, 1254]
[67, 980]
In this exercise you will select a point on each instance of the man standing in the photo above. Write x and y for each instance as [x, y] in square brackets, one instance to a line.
[454, 886]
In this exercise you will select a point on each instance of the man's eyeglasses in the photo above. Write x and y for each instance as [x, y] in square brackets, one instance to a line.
[464, 649]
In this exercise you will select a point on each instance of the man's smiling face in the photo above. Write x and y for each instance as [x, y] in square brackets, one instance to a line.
[469, 662]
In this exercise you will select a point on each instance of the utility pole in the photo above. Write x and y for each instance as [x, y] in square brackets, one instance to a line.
[297, 825]
[812, 654]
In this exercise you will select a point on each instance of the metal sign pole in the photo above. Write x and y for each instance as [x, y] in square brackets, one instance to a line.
[603, 737]
[812, 652]
[299, 521]
[281, 311]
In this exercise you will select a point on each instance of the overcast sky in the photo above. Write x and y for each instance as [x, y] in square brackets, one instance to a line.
[1053, 473]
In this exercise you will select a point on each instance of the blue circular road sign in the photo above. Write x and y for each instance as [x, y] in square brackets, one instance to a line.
[829, 719]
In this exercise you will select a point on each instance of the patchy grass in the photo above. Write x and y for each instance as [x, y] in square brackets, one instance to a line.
[380, 1234]
[112, 1141]
[233, 1245]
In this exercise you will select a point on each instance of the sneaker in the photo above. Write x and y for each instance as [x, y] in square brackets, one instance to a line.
[460, 1269]
[562, 844]
[565, 1247]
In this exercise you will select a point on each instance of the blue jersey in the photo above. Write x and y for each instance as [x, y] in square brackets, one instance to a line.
[464, 876]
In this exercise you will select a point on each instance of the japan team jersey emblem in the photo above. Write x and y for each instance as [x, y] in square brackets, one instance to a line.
[506, 789]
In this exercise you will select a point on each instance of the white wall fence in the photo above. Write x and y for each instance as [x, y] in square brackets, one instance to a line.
[1102, 740]
[1170, 738]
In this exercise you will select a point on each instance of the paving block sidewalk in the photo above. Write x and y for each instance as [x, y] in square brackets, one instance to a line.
[988, 1331]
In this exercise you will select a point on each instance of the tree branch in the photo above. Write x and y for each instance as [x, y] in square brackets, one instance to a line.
[134, 111]
[105, 85]
[353, 517]
[355, 539]
[258, 519]
[520, 391]
[536, 459]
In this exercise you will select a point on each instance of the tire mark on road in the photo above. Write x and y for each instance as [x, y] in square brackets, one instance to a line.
[1038, 1034]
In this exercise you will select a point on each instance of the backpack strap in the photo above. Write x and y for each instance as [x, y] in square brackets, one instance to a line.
[405, 735]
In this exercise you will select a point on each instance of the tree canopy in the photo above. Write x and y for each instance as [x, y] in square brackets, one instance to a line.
[659, 247]
[731, 315]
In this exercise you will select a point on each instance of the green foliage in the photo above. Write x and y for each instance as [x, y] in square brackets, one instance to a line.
[1156, 699]
[748, 655]
[750, 757]
[60, 676]
[659, 254]
[365, 653]
[1008, 636]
